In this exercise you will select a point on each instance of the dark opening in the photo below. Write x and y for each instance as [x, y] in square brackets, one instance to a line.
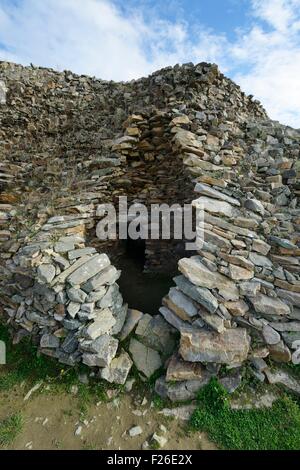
[142, 291]
[135, 250]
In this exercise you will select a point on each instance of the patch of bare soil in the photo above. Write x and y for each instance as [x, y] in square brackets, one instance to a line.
[54, 420]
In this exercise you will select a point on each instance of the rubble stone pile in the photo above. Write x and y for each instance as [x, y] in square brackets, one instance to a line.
[185, 134]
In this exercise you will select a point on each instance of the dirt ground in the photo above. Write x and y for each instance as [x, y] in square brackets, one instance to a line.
[54, 421]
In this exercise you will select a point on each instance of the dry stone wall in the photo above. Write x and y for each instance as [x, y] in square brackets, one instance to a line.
[184, 134]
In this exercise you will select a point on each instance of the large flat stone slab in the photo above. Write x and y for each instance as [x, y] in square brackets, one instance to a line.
[215, 207]
[180, 304]
[213, 193]
[201, 276]
[118, 369]
[232, 346]
[146, 360]
[269, 306]
[93, 266]
[201, 295]
[107, 276]
[101, 325]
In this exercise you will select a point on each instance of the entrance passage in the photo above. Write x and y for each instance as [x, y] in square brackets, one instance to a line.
[142, 291]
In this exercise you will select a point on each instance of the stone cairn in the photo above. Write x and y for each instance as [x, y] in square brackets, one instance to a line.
[69, 143]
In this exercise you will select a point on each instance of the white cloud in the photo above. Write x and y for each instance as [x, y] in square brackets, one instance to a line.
[273, 55]
[90, 37]
[278, 13]
[94, 38]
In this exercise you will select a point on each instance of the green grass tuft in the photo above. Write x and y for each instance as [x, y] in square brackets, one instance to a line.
[10, 428]
[276, 428]
[25, 364]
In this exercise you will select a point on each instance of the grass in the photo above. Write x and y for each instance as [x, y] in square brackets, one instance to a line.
[10, 428]
[276, 428]
[26, 365]
[264, 429]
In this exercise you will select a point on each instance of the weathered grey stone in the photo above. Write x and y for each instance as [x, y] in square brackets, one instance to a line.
[135, 431]
[118, 369]
[290, 337]
[179, 370]
[292, 297]
[286, 326]
[213, 320]
[217, 240]
[74, 254]
[143, 325]
[132, 319]
[283, 243]
[231, 227]
[61, 298]
[232, 382]
[105, 348]
[102, 324]
[240, 274]
[63, 246]
[181, 391]
[88, 307]
[249, 288]
[45, 273]
[119, 313]
[280, 352]
[73, 308]
[34, 317]
[49, 341]
[237, 308]
[238, 261]
[173, 319]
[146, 360]
[205, 346]
[76, 295]
[213, 193]
[71, 324]
[106, 277]
[89, 269]
[283, 378]
[260, 246]
[270, 335]
[61, 261]
[110, 297]
[260, 260]
[156, 333]
[63, 276]
[215, 207]
[69, 359]
[70, 344]
[160, 441]
[255, 205]
[199, 275]
[253, 400]
[180, 304]
[96, 296]
[269, 306]
[201, 295]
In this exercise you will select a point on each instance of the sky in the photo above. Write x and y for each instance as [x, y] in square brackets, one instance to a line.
[254, 42]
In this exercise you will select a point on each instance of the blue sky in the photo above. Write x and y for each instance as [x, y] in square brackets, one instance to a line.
[254, 42]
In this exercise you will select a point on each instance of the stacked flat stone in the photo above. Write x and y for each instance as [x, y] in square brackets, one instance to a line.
[65, 296]
[69, 143]
[238, 298]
